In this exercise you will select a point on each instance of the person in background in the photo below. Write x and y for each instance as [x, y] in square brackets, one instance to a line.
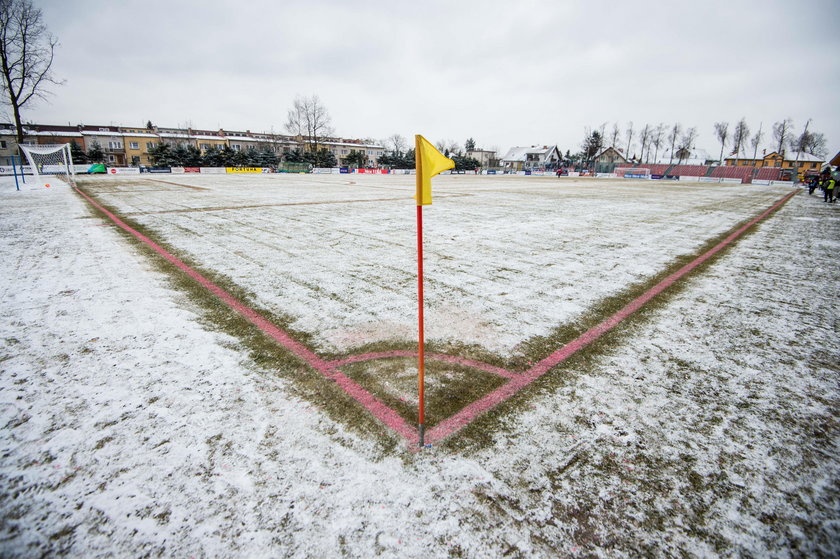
[829, 189]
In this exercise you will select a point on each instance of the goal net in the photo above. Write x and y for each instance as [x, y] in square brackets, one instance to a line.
[50, 163]
[632, 172]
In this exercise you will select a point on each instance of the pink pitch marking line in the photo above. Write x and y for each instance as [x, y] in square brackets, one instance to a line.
[467, 415]
[377, 408]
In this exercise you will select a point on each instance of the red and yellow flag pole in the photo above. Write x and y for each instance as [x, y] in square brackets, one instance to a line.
[421, 362]
[429, 162]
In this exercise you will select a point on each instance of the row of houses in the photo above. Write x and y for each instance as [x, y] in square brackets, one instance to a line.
[130, 146]
[549, 157]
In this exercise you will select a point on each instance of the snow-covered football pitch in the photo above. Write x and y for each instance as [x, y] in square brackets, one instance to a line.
[254, 395]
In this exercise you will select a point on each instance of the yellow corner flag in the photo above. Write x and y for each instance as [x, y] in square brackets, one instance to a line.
[429, 162]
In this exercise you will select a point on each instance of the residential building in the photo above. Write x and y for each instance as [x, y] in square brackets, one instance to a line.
[138, 142]
[486, 158]
[611, 156]
[533, 157]
[800, 161]
[109, 138]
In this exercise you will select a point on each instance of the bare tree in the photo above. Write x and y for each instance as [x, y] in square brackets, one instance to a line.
[629, 139]
[813, 143]
[26, 56]
[644, 138]
[757, 140]
[722, 134]
[673, 136]
[740, 137]
[397, 144]
[782, 133]
[686, 144]
[309, 119]
[656, 139]
[614, 135]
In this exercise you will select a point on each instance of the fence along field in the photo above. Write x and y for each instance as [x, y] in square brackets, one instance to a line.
[516, 268]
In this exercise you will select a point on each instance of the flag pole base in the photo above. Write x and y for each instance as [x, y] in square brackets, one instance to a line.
[422, 429]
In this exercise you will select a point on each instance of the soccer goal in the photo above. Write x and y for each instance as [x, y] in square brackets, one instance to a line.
[632, 172]
[50, 163]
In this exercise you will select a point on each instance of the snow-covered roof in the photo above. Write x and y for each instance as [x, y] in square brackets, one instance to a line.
[802, 156]
[140, 134]
[98, 133]
[521, 153]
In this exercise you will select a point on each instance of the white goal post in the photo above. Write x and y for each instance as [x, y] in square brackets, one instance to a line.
[632, 172]
[50, 160]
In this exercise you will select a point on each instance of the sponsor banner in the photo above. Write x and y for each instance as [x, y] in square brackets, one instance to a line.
[192, 169]
[10, 170]
[731, 181]
[123, 171]
[326, 170]
[371, 171]
[657, 177]
[156, 170]
[573, 174]
[240, 170]
[344, 170]
[611, 176]
[491, 172]
[212, 170]
[707, 179]
[761, 182]
[781, 183]
[177, 170]
[689, 179]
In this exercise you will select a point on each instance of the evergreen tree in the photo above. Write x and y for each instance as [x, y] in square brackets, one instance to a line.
[178, 156]
[192, 157]
[295, 156]
[252, 158]
[212, 158]
[469, 145]
[95, 153]
[226, 157]
[266, 157]
[463, 163]
[356, 159]
[239, 159]
[76, 152]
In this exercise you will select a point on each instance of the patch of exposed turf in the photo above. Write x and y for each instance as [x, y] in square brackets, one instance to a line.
[448, 388]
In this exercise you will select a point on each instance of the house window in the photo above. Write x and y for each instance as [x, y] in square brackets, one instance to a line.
[2, 144]
[115, 145]
[150, 145]
[134, 145]
[111, 159]
[235, 147]
[205, 147]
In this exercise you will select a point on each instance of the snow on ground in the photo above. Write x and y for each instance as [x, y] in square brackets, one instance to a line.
[508, 258]
[709, 428]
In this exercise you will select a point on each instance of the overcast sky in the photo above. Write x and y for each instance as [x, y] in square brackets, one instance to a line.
[505, 73]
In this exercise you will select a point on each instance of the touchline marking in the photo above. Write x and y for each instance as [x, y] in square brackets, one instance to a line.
[377, 408]
[467, 415]
[446, 428]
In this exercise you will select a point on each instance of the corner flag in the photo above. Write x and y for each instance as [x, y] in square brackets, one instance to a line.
[429, 162]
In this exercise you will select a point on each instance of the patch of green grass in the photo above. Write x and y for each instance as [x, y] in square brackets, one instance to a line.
[448, 388]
